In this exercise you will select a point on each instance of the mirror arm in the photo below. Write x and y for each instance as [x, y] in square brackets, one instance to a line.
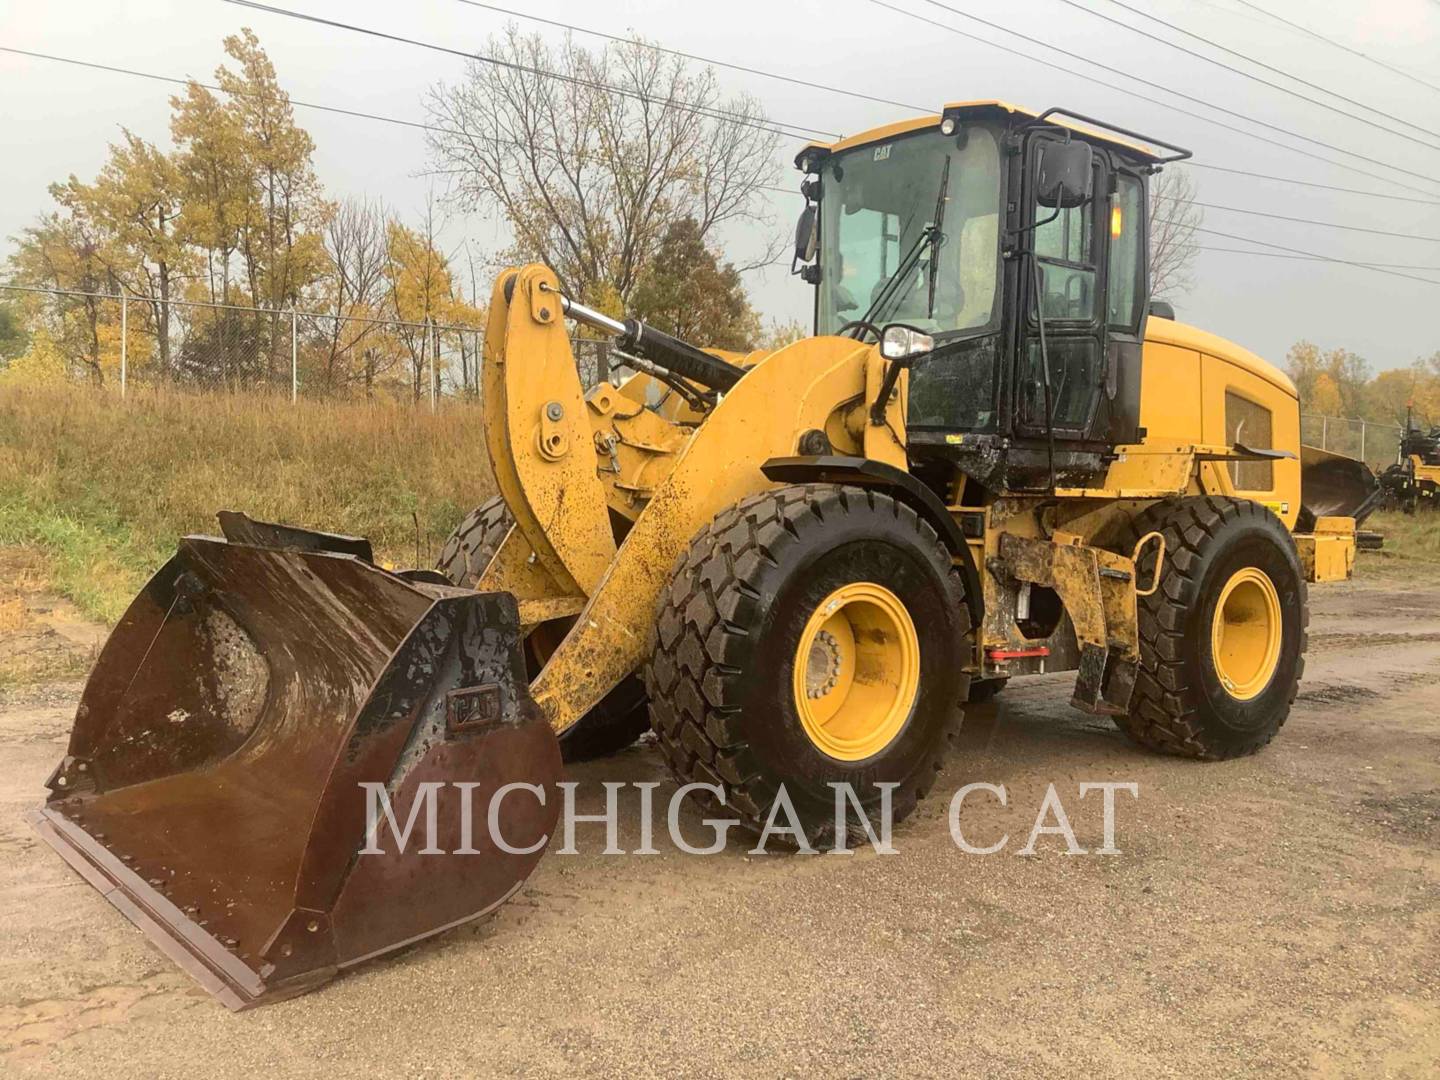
[887, 387]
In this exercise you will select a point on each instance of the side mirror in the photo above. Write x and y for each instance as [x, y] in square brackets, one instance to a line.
[1065, 176]
[806, 234]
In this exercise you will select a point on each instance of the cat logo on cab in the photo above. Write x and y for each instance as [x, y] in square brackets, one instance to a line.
[882, 152]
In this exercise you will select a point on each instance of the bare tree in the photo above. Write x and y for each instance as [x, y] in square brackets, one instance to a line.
[355, 241]
[590, 169]
[1174, 217]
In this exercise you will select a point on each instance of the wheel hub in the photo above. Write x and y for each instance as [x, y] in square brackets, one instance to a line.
[856, 671]
[1246, 633]
[822, 670]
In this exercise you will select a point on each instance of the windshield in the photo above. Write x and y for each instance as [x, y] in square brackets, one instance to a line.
[877, 202]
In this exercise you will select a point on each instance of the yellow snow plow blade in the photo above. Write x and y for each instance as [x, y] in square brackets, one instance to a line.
[263, 701]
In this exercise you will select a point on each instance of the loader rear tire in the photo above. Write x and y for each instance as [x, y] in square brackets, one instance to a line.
[748, 652]
[621, 717]
[1222, 640]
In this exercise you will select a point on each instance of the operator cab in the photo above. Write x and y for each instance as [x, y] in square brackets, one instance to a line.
[946, 230]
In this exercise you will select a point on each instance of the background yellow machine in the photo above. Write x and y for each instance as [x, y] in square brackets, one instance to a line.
[992, 459]
[1413, 482]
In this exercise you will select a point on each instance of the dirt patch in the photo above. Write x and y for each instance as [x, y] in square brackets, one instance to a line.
[42, 637]
[1415, 813]
[1336, 694]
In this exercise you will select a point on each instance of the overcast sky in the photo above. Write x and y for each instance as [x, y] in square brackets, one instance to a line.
[57, 119]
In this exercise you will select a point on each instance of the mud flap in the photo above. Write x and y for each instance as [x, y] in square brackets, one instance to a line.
[214, 789]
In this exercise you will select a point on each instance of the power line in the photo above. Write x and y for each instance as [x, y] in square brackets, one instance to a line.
[779, 76]
[1246, 74]
[796, 131]
[1300, 220]
[1303, 258]
[1297, 251]
[1337, 44]
[355, 113]
[1192, 164]
[1249, 134]
[421, 126]
[360, 114]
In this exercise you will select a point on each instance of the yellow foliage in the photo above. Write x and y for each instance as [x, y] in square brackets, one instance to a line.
[42, 364]
[140, 345]
[1325, 395]
[419, 275]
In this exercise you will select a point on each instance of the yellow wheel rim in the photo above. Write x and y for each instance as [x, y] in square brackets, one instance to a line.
[1246, 634]
[856, 671]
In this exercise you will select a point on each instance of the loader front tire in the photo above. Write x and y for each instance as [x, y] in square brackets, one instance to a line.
[1222, 640]
[812, 635]
[621, 716]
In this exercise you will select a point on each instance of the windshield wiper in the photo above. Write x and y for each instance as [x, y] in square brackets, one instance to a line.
[937, 236]
[930, 236]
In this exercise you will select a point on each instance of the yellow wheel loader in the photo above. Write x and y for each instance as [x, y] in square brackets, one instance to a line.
[995, 458]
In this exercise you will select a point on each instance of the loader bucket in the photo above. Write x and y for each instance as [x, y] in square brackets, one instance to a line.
[1332, 485]
[213, 785]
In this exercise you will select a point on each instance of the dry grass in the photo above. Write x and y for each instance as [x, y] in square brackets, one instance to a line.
[104, 488]
[1412, 546]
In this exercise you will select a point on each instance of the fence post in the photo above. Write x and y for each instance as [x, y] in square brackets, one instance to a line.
[294, 360]
[1363, 426]
[124, 338]
[434, 358]
[1324, 432]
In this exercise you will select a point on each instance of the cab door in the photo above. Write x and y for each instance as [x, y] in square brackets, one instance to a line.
[1069, 249]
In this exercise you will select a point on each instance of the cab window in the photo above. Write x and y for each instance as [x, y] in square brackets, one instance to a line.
[1125, 267]
[1065, 246]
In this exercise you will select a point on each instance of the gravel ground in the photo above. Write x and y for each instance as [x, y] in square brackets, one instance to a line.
[1277, 915]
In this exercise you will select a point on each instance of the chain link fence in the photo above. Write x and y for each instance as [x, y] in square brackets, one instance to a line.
[1378, 445]
[122, 342]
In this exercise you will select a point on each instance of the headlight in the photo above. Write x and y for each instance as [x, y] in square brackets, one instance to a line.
[901, 342]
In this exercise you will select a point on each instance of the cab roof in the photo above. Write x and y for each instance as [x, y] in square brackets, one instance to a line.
[974, 109]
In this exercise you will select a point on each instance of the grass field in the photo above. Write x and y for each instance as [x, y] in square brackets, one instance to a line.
[1411, 543]
[103, 488]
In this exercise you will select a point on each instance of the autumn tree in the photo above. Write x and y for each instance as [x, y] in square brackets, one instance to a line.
[62, 251]
[215, 185]
[1330, 382]
[1174, 219]
[132, 208]
[280, 231]
[686, 291]
[13, 337]
[591, 157]
[422, 293]
[780, 334]
[252, 202]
